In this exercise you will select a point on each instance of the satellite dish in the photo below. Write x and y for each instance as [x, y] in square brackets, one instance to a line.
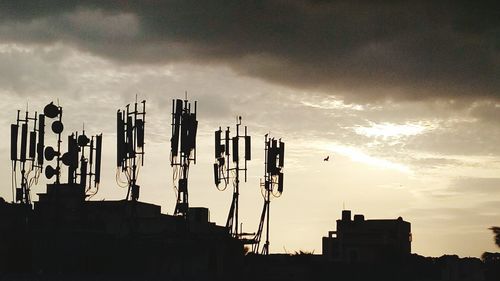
[57, 127]
[51, 110]
[50, 172]
[66, 159]
[50, 153]
[83, 140]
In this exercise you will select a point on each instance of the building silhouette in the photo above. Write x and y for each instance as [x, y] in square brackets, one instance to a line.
[66, 234]
[361, 240]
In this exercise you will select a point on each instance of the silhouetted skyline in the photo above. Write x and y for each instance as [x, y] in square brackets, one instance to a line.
[404, 98]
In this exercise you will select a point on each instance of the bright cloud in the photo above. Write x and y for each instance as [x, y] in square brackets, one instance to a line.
[391, 130]
[331, 103]
[359, 156]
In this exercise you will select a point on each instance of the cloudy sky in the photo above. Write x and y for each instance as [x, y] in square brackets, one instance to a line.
[405, 98]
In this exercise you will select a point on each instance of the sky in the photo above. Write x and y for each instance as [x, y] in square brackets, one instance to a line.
[403, 96]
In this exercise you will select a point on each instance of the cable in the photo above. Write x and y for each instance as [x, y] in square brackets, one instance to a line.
[263, 191]
[221, 171]
[119, 181]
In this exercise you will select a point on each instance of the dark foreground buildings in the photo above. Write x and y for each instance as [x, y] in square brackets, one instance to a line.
[65, 237]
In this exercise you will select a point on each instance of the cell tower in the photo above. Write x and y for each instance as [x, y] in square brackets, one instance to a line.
[130, 146]
[223, 171]
[86, 154]
[27, 155]
[83, 153]
[184, 127]
[271, 187]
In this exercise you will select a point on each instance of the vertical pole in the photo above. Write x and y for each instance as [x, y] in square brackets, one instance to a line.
[194, 158]
[267, 218]
[228, 154]
[267, 184]
[185, 157]
[59, 141]
[237, 187]
[23, 182]
[134, 148]
[23, 166]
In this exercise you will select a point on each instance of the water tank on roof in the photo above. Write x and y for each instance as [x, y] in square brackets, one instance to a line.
[346, 215]
[199, 215]
[359, 218]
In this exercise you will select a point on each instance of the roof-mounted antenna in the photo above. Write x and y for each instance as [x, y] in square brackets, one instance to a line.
[222, 169]
[130, 144]
[24, 153]
[52, 111]
[84, 153]
[272, 186]
[184, 128]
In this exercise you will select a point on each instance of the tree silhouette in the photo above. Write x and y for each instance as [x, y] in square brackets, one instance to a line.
[496, 231]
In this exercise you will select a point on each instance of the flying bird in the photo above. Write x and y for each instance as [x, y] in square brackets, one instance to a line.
[327, 158]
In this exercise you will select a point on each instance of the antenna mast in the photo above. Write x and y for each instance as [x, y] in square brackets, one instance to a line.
[271, 187]
[222, 170]
[90, 166]
[30, 154]
[54, 111]
[184, 127]
[130, 145]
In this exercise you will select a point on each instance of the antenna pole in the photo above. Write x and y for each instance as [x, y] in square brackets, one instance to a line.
[273, 177]
[23, 165]
[134, 145]
[267, 198]
[265, 250]
[222, 170]
[237, 180]
[59, 141]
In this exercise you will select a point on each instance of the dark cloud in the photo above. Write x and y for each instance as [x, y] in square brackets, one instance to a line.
[364, 50]
[488, 112]
[24, 72]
